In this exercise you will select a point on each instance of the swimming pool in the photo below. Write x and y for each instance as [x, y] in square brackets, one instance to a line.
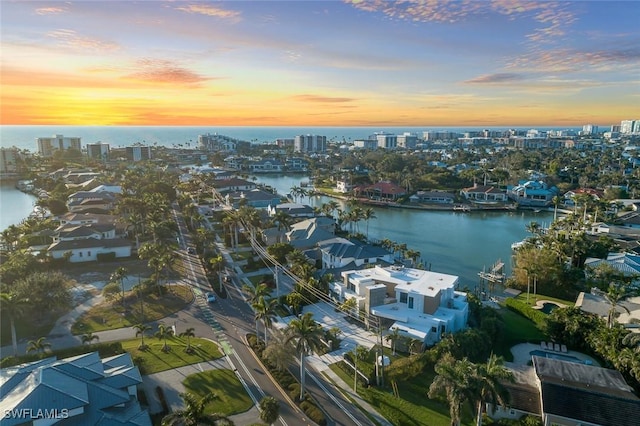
[553, 355]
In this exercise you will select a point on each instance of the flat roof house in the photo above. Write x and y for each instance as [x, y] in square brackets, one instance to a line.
[421, 304]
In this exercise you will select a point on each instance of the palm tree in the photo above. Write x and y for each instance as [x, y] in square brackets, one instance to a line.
[89, 337]
[163, 333]
[14, 307]
[269, 409]
[488, 384]
[453, 379]
[194, 412]
[39, 345]
[118, 276]
[255, 293]
[188, 333]
[368, 214]
[279, 353]
[393, 337]
[141, 329]
[264, 311]
[307, 335]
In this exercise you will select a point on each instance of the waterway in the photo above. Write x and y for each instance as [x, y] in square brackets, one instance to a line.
[15, 205]
[457, 243]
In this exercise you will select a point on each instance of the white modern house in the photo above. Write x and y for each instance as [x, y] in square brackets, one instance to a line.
[421, 304]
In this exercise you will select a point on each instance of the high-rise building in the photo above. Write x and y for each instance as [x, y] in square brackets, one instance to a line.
[386, 140]
[310, 143]
[627, 126]
[47, 146]
[138, 153]
[8, 160]
[407, 140]
[589, 129]
[99, 151]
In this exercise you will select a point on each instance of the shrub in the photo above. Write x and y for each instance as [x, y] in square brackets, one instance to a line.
[535, 315]
[104, 349]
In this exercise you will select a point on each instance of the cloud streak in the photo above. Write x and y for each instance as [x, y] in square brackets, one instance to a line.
[164, 72]
[71, 39]
[498, 78]
[213, 11]
[321, 99]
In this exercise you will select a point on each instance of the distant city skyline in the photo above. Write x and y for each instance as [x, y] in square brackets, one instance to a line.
[320, 63]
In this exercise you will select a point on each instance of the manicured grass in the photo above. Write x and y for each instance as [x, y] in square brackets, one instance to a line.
[231, 395]
[518, 329]
[154, 360]
[413, 408]
[112, 315]
[533, 299]
[241, 255]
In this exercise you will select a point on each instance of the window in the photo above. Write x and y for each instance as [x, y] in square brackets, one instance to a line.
[80, 254]
[403, 297]
[411, 303]
[89, 253]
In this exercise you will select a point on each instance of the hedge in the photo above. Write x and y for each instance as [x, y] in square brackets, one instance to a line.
[522, 308]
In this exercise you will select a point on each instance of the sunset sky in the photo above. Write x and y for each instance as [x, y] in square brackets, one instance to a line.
[320, 63]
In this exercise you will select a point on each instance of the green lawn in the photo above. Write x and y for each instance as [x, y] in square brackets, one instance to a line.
[241, 255]
[518, 329]
[154, 360]
[231, 395]
[112, 315]
[532, 299]
[413, 408]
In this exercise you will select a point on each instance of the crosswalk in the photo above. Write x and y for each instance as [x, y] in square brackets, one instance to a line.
[205, 309]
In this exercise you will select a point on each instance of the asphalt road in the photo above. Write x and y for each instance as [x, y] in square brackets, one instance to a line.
[231, 319]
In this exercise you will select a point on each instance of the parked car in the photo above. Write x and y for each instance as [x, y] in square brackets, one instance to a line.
[211, 298]
[191, 250]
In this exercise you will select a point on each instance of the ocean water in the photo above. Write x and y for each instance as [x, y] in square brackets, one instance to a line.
[24, 137]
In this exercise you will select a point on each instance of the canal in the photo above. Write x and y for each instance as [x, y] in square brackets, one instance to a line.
[457, 243]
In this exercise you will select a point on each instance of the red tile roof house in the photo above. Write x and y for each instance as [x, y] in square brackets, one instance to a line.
[381, 191]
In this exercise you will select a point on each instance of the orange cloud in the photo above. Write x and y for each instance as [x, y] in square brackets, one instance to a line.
[164, 72]
[321, 99]
[49, 10]
[207, 10]
[70, 38]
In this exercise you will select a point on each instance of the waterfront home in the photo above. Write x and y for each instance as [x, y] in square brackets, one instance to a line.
[569, 197]
[343, 186]
[339, 252]
[627, 311]
[296, 164]
[306, 234]
[255, 198]
[420, 304]
[484, 194]
[381, 191]
[267, 165]
[294, 210]
[81, 390]
[70, 232]
[630, 220]
[233, 184]
[434, 197]
[532, 193]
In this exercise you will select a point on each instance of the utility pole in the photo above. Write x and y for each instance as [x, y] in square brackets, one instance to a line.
[355, 369]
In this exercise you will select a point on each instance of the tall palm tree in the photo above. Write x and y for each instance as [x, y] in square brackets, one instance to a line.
[163, 333]
[14, 307]
[118, 276]
[257, 292]
[453, 379]
[38, 346]
[488, 384]
[141, 329]
[188, 333]
[368, 214]
[89, 337]
[306, 335]
[279, 353]
[193, 414]
[264, 311]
